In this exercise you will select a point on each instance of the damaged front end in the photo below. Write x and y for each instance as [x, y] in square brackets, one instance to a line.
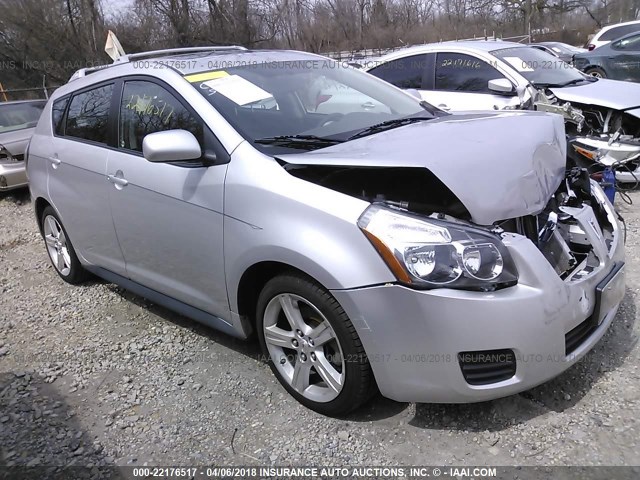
[599, 138]
[577, 230]
[469, 188]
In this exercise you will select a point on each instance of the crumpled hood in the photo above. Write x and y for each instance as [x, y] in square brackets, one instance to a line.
[604, 93]
[500, 165]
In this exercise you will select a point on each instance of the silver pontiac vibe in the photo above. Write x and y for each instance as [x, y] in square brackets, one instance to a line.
[369, 239]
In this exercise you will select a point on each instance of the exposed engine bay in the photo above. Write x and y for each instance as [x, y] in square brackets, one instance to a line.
[598, 137]
[574, 232]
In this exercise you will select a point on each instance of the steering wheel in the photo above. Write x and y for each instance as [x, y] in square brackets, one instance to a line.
[332, 117]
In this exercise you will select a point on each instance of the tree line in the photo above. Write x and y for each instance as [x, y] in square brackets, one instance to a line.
[53, 38]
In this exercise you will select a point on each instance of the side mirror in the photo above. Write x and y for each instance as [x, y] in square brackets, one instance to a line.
[413, 92]
[171, 146]
[501, 86]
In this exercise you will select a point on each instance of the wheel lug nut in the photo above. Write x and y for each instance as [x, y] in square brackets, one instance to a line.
[299, 332]
[313, 357]
[295, 342]
[311, 342]
[283, 361]
[303, 357]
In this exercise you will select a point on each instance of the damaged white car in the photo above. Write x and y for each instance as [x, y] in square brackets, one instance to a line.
[602, 116]
[432, 256]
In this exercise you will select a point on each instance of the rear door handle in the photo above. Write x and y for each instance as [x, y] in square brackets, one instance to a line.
[55, 162]
[118, 181]
[368, 105]
[444, 107]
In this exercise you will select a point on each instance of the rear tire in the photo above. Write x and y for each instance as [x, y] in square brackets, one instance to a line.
[596, 72]
[312, 347]
[61, 253]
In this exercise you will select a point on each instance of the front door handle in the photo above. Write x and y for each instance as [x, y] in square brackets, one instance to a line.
[55, 162]
[118, 179]
[444, 107]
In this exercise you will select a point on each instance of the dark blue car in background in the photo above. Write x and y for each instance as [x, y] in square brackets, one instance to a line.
[618, 60]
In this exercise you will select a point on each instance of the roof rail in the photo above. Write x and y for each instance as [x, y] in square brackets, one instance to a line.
[83, 72]
[173, 51]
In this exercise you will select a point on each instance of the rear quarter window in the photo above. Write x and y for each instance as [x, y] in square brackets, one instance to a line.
[57, 115]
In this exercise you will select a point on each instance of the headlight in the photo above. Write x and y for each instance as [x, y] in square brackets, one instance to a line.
[429, 253]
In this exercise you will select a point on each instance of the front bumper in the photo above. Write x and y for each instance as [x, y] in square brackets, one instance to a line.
[413, 338]
[12, 175]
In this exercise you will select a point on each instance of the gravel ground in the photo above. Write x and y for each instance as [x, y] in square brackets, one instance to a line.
[93, 375]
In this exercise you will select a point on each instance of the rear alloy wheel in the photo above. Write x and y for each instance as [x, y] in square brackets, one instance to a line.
[61, 253]
[312, 346]
[596, 72]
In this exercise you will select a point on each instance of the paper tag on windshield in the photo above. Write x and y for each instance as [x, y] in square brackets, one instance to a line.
[237, 89]
[518, 63]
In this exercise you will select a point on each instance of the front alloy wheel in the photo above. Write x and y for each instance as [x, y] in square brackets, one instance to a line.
[312, 346]
[304, 347]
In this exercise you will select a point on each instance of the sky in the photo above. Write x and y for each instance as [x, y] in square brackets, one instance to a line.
[111, 7]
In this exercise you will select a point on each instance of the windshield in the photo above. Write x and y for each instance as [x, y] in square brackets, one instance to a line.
[539, 67]
[315, 99]
[561, 48]
[17, 116]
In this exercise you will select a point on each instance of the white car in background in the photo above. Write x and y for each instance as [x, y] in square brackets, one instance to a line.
[602, 116]
[613, 32]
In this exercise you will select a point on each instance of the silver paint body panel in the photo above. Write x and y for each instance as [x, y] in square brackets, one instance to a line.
[14, 171]
[189, 234]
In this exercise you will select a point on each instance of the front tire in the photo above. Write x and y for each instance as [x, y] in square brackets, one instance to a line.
[312, 347]
[61, 253]
[596, 72]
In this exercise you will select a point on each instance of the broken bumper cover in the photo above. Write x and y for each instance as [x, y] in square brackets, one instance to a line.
[628, 176]
[413, 338]
[12, 175]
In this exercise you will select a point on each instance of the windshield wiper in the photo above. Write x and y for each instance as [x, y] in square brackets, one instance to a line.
[560, 85]
[388, 125]
[308, 142]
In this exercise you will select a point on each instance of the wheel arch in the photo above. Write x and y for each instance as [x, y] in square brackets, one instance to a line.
[253, 281]
[595, 67]
[40, 204]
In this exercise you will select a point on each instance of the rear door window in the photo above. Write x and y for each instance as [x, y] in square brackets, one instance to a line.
[407, 72]
[88, 115]
[458, 72]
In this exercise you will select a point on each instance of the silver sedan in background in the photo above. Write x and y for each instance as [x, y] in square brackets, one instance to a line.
[17, 122]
